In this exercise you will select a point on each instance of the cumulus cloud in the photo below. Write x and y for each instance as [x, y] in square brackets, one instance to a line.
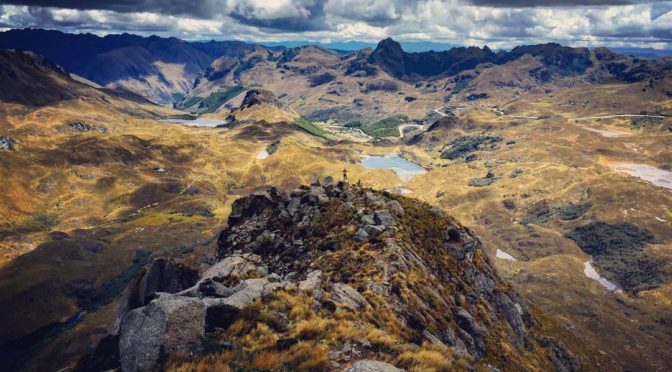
[498, 23]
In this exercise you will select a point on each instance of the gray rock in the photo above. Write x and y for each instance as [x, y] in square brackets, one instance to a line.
[315, 181]
[367, 219]
[367, 365]
[374, 231]
[245, 293]
[168, 324]
[312, 284]
[293, 206]
[274, 278]
[328, 182]
[344, 294]
[384, 217]
[396, 208]
[513, 316]
[239, 265]
[83, 127]
[210, 288]
[298, 193]
[431, 338]
[361, 235]
[7, 143]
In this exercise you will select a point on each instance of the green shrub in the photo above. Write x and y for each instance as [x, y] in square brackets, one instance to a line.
[309, 127]
[388, 127]
[618, 251]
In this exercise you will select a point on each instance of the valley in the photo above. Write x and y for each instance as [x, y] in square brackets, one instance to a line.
[562, 171]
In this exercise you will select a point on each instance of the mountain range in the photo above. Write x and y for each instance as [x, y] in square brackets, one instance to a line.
[228, 206]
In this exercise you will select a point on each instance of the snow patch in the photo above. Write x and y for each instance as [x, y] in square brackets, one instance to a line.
[504, 256]
[591, 273]
[263, 154]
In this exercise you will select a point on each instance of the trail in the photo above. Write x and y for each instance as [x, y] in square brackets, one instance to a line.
[439, 112]
[404, 126]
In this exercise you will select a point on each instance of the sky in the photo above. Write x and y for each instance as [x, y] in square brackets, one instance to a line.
[496, 23]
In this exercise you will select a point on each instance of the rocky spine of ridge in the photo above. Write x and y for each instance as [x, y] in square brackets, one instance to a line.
[255, 97]
[380, 279]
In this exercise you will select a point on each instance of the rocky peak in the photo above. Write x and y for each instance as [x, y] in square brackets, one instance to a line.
[389, 55]
[334, 276]
[255, 97]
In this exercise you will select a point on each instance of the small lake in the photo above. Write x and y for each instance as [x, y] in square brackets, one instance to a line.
[656, 176]
[198, 122]
[404, 169]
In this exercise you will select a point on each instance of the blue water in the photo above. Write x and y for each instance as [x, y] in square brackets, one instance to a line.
[199, 122]
[404, 169]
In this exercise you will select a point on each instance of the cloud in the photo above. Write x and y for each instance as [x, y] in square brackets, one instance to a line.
[558, 4]
[498, 23]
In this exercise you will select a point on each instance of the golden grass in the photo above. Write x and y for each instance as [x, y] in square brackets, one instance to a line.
[430, 358]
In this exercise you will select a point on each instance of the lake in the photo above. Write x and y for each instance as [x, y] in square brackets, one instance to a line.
[405, 169]
[198, 122]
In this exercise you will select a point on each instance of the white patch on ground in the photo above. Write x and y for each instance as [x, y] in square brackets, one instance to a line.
[263, 154]
[610, 133]
[504, 256]
[660, 219]
[648, 173]
[591, 273]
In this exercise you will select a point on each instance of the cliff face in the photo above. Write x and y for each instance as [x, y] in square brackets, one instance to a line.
[327, 275]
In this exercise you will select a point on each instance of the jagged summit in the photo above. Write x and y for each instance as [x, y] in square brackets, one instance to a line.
[260, 97]
[261, 105]
[329, 276]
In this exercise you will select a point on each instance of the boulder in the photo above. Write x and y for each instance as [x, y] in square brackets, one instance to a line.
[211, 288]
[384, 217]
[396, 208]
[328, 182]
[168, 324]
[373, 231]
[361, 235]
[345, 295]
[162, 275]
[244, 294]
[367, 365]
[312, 284]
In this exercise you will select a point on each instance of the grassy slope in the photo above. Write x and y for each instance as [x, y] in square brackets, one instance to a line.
[309, 127]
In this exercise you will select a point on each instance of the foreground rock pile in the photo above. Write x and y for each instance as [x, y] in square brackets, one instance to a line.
[332, 276]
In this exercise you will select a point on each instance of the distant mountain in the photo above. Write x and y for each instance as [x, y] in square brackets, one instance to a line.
[158, 68]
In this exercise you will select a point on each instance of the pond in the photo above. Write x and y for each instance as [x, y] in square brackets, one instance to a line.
[656, 176]
[198, 122]
[405, 169]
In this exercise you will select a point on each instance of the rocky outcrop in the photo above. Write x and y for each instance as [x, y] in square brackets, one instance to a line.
[260, 97]
[372, 366]
[83, 127]
[297, 263]
[7, 143]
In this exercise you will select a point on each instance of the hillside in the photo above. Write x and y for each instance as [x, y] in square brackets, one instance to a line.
[328, 274]
[560, 177]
